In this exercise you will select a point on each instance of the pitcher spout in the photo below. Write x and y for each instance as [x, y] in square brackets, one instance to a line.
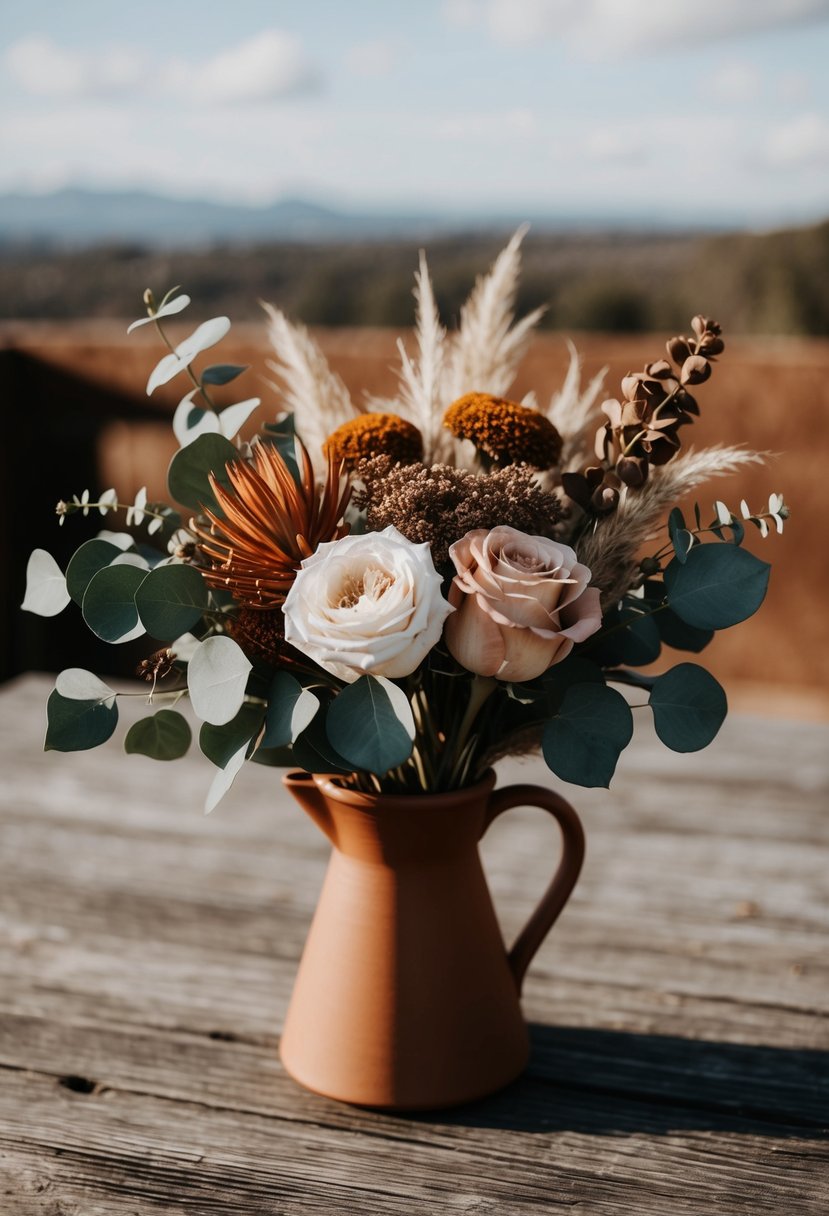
[309, 796]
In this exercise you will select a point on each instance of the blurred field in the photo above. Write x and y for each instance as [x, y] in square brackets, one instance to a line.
[770, 394]
[603, 281]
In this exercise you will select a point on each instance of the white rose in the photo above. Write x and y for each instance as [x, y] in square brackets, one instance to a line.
[366, 605]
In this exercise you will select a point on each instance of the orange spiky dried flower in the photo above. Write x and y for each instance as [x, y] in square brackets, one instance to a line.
[271, 522]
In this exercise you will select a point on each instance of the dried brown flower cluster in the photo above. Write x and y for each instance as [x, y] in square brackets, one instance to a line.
[261, 634]
[506, 432]
[157, 666]
[270, 522]
[370, 435]
[641, 429]
[441, 504]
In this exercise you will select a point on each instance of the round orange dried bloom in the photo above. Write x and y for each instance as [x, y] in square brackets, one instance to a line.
[506, 432]
[370, 435]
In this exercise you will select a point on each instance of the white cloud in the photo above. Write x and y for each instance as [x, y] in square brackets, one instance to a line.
[267, 67]
[375, 58]
[43, 69]
[604, 27]
[734, 82]
[802, 142]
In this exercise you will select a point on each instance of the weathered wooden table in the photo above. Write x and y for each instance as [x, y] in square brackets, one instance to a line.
[147, 954]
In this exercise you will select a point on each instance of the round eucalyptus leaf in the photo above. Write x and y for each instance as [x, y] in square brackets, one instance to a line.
[291, 709]
[689, 707]
[171, 600]
[718, 585]
[188, 475]
[234, 417]
[77, 684]
[583, 742]
[85, 563]
[207, 335]
[122, 540]
[312, 749]
[220, 743]
[224, 779]
[76, 726]
[109, 603]
[370, 724]
[164, 735]
[46, 590]
[190, 421]
[217, 676]
[679, 635]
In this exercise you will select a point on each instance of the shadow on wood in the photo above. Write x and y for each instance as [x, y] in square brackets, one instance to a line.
[602, 1082]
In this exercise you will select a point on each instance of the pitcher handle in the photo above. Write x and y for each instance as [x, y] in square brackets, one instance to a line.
[564, 879]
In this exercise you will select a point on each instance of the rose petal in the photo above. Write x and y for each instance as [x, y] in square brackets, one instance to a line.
[474, 639]
[527, 654]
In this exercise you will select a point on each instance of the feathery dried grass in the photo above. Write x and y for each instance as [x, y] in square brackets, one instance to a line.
[611, 550]
[317, 397]
[572, 409]
[489, 344]
[421, 399]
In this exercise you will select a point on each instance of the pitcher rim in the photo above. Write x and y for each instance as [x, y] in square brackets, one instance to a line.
[363, 800]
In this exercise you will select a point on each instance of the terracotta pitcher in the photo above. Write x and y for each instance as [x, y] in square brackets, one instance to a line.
[406, 996]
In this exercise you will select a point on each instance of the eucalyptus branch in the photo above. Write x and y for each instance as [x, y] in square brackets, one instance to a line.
[188, 367]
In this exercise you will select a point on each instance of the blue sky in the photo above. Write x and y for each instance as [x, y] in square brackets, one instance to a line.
[695, 110]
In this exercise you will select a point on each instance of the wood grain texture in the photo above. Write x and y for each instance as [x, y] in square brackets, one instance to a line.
[678, 1010]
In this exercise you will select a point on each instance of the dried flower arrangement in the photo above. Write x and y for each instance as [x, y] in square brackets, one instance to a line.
[402, 591]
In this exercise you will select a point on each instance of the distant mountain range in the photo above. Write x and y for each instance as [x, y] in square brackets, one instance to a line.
[76, 217]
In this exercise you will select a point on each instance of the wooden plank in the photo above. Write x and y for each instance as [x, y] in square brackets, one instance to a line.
[134, 1149]
[779, 1085]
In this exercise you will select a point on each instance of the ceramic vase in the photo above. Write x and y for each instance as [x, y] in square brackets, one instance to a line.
[406, 997]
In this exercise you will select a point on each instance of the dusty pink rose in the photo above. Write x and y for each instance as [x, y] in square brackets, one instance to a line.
[522, 602]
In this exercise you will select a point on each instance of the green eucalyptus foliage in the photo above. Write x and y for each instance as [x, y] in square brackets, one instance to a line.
[291, 709]
[717, 586]
[689, 707]
[220, 743]
[170, 601]
[85, 563]
[109, 603]
[370, 724]
[164, 735]
[76, 726]
[591, 729]
[188, 477]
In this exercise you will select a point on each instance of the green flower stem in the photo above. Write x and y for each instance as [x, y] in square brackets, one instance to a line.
[668, 546]
[71, 508]
[187, 367]
[462, 747]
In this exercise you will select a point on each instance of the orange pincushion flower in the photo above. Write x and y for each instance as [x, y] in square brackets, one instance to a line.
[506, 432]
[370, 435]
[271, 522]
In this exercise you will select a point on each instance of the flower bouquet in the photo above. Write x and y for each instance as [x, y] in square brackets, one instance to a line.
[402, 591]
[387, 598]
